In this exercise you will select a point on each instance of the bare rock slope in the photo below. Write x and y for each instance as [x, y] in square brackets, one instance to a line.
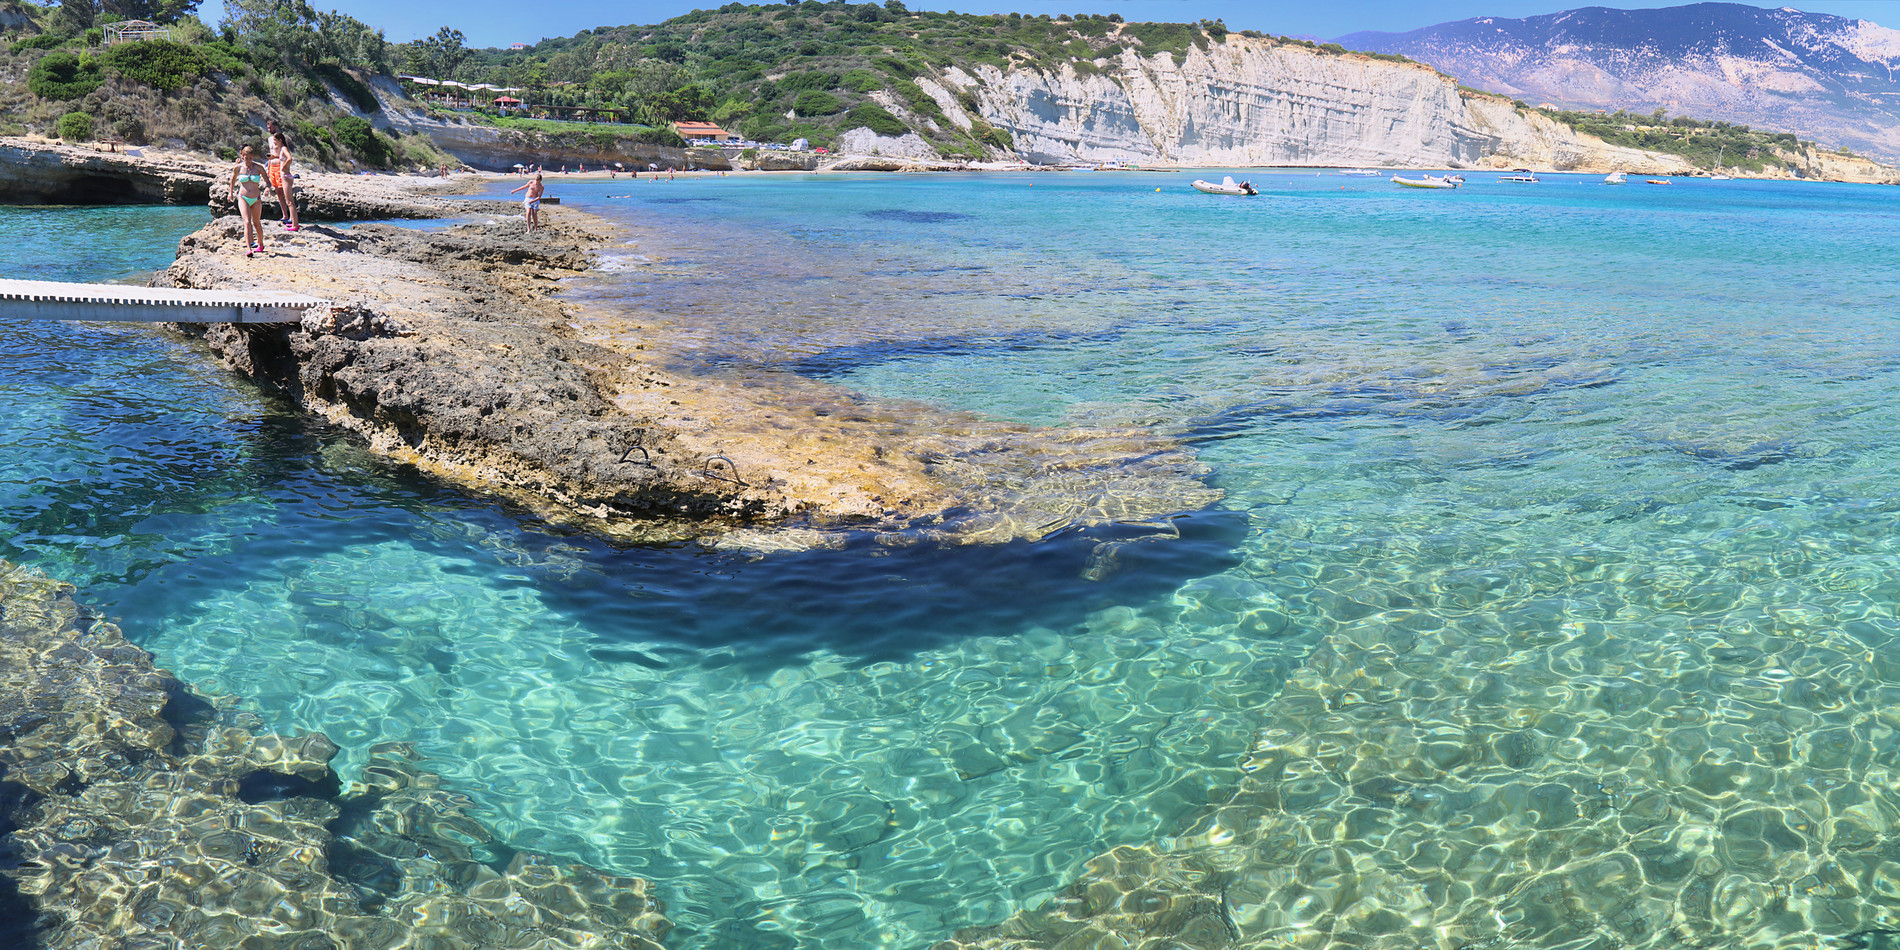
[1820, 76]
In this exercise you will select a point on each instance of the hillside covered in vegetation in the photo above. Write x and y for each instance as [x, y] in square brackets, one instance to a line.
[1707, 144]
[198, 88]
[812, 69]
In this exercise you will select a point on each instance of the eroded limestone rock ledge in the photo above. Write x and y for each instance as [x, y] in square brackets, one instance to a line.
[454, 355]
[35, 172]
[134, 814]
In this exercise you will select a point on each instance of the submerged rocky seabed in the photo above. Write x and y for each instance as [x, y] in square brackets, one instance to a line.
[138, 815]
[1598, 752]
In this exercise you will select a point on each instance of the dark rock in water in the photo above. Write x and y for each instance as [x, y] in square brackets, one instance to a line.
[914, 217]
[118, 828]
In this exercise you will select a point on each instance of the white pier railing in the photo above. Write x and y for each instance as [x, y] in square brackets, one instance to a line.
[48, 300]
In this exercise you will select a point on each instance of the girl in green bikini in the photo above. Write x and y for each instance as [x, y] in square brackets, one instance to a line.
[247, 183]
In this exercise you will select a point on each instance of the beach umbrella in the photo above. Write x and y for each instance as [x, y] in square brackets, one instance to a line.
[618, 165]
[519, 165]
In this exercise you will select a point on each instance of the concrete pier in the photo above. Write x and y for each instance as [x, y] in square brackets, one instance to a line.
[48, 300]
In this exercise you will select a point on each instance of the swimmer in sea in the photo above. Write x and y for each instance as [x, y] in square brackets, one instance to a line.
[247, 189]
[531, 202]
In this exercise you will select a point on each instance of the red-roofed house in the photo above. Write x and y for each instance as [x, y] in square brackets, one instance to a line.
[696, 131]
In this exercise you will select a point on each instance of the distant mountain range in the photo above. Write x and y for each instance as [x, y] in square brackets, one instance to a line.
[1822, 77]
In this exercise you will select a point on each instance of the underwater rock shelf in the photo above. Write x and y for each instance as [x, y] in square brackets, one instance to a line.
[134, 813]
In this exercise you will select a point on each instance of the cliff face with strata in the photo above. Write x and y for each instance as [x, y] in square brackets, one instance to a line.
[1246, 101]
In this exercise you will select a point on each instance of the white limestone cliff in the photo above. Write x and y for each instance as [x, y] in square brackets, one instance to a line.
[1252, 101]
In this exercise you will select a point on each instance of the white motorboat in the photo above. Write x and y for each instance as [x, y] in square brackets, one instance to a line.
[1521, 174]
[1360, 172]
[1613, 178]
[1430, 181]
[1227, 187]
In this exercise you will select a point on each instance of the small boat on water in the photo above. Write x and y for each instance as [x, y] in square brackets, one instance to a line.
[1360, 172]
[1656, 181]
[1613, 178]
[1227, 186]
[1521, 174]
[1430, 181]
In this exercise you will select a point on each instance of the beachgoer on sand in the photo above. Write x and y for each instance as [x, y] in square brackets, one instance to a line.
[283, 180]
[247, 190]
[531, 202]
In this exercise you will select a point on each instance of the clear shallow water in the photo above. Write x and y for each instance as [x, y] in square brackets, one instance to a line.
[1574, 473]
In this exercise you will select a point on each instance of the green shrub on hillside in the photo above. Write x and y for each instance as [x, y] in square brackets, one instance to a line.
[862, 80]
[345, 82]
[901, 68]
[870, 115]
[812, 80]
[813, 102]
[76, 127]
[42, 41]
[920, 101]
[993, 136]
[62, 75]
[359, 137]
[160, 64]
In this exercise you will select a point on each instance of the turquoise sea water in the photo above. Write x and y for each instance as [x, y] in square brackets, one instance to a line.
[1556, 567]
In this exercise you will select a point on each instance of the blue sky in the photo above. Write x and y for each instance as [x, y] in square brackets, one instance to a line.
[500, 22]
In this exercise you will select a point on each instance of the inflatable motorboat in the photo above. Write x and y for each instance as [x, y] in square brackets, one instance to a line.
[1227, 187]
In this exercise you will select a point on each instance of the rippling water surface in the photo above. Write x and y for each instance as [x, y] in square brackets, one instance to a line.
[1550, 600]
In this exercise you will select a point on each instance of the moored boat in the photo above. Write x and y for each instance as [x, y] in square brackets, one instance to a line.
[1430, 181]
[1360, 172]
[1227, 187]
[1613, 178]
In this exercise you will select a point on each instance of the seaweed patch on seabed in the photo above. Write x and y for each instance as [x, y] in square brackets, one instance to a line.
[1610, 767]
[138, 815]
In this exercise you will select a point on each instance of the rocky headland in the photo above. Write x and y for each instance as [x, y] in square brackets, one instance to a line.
[453, 351]
[38, 172]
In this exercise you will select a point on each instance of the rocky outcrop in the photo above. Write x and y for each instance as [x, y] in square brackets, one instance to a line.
[468, 369]
[33, 172]
[1249, 101]
[133, 813]
[777, 161]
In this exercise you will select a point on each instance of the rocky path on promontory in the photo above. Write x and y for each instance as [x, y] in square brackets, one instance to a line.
[452, 350]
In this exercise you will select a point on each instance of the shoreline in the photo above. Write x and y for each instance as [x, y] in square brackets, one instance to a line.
[36, 172]
[453, 351]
